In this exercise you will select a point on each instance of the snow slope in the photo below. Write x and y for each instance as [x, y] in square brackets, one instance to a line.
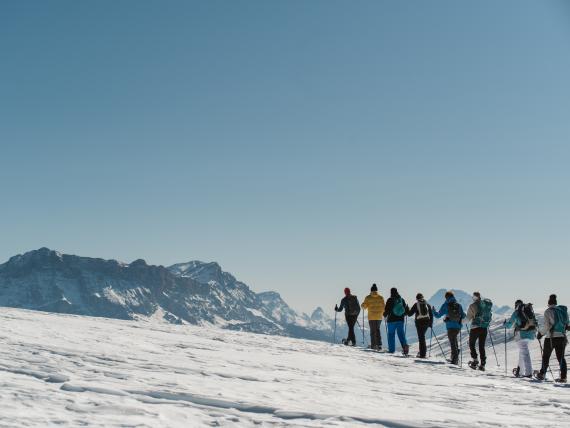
[69, 370]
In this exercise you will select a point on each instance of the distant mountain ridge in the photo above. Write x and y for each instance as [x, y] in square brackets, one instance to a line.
[193, 292]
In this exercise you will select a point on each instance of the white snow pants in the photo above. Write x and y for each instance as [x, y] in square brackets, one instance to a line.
[525, 363]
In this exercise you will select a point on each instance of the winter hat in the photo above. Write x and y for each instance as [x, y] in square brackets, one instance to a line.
[552, 300]
[419, 296]
[394, 292]
[477, 295]
[347, 291]
[449, 294]
[374, 288]
[518, 303]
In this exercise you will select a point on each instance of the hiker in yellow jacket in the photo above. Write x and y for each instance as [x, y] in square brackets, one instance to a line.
[374, 302]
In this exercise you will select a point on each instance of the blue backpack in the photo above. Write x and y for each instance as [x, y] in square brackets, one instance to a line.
[398, 309]
[560, 319]
[484, 314]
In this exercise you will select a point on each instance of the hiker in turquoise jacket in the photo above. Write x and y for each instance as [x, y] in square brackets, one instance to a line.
[525, 333]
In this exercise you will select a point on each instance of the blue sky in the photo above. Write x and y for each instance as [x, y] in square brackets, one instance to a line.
[305, 146]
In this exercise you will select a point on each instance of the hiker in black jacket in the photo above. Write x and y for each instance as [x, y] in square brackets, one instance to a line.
[424, 320]
[395, 314]
[351, 308]
[351, 311]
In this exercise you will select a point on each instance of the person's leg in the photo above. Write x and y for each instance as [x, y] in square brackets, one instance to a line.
[421, 328]
[525, 363]
[560, 347]
[371, 327]
[452, 335]
[379, 334]
[401, 333]
[482, 342]
[547, 352]
[391, 337]
[472, 341]
[351, 321]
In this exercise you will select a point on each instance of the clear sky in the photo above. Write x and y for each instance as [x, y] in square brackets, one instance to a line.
[304, 145]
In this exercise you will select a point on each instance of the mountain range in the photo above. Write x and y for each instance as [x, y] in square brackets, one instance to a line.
[193, 292]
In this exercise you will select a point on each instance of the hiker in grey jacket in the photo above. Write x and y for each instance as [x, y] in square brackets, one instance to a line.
[478, 314]
[554, 329]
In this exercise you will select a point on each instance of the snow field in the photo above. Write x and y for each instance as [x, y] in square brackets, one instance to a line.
[79, 371]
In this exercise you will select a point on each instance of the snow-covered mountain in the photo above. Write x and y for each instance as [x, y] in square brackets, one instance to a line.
[193, 292]
[70, 371]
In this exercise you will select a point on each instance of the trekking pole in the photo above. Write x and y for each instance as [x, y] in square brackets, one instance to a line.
[363, 329]
[493, 345]
[334, 334]
[430, 337]
[439, 343]
[460, 347]
[505, 349]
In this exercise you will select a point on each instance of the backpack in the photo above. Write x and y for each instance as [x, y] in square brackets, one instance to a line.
[454, 312]
[398, 309]
[352, 306]
[526, 316]
[560, 319]
[423, 310]
[484, 314]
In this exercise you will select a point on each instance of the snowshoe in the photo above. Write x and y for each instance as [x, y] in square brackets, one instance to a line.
[560, 380]
[517, 372]
[481, 368]
[538, 375]
[473, 364]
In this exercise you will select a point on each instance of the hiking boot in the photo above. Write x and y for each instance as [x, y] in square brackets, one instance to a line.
[539, 375]
[405, 349]
[482, 368]
[517, 372]
[473, 364]
[561, 380]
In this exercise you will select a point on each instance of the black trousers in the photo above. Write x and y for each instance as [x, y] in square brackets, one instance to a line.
[452, 334]
[351, 321]
[478, 334]
[558, 344]
[375, 337]
[422, 327]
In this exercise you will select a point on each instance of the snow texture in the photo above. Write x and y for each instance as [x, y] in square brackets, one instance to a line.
[70, 370]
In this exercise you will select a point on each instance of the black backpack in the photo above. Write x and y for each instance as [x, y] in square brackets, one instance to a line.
[454, 311]
[526, 317]
[423, 310]
[352, 306]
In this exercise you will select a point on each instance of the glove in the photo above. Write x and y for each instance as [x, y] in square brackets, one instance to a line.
[539, 336]
[336, 308]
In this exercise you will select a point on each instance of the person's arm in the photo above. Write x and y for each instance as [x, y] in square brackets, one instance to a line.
[365, 303]
[511, 321]
[388, 307]
[442, 311]
[406, 307]
[342, 305]
[413, 311]
[463, 314]
[472, 312]
[382, 305]
[430, 315]
[548, 322]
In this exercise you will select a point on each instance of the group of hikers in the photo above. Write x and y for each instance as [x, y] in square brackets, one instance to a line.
[477, 321]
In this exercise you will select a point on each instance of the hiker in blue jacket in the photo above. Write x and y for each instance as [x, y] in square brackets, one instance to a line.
[524, 321]
[454, 315]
